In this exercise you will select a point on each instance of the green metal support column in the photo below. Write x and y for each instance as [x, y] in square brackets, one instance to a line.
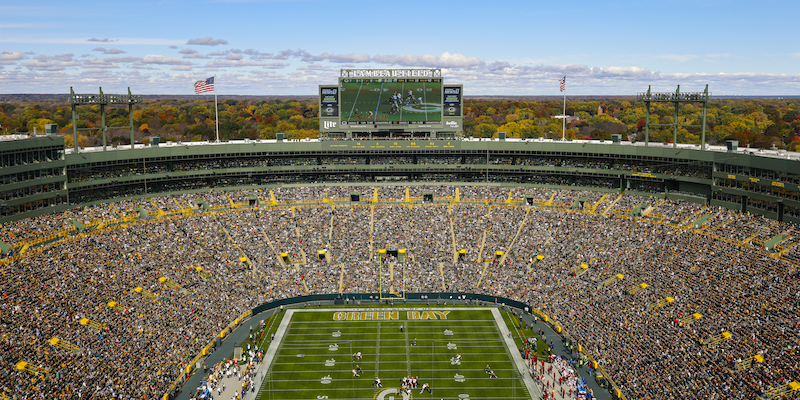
[703, 123]
[130, 115]
[74, 121]
[647, 120]
[103, 127]
[675, 119]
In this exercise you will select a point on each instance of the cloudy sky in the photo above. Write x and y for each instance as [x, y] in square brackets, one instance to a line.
[286, 47]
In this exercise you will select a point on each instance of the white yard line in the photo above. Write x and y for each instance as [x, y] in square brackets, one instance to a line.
[378, 351]
[408, 351]
[533, 388]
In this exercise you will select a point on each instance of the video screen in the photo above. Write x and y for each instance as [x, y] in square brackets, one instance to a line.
[452, 101]
[390, 101]
[329, 101]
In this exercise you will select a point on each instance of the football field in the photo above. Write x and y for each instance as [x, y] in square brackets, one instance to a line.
[312, 356]
[369, 102]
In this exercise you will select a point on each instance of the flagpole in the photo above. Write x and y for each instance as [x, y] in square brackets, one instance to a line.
[564, 114]
[216, 110]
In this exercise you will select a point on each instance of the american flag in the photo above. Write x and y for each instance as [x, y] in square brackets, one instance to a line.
[203, 86]
[563, 82]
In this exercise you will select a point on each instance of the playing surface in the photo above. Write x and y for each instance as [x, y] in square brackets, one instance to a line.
[314, 357]
[360, 98]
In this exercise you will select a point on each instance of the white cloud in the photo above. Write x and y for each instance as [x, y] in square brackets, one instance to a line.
[285, 54]
[622, 72]
[103, 40]
[55, 63]
[446, 60]
[82, 41]
[678, 57]
[99, 63]
[243, 73]
[276, 65]
[223, 63]
[498, 65]
[197, 55]
[314, 67]
[337, 58]
[10, 57]
[108, 51]
[63, 57]
[207, 41]
[257, 55]
[126, 59]
[159, 59]
[191, 53]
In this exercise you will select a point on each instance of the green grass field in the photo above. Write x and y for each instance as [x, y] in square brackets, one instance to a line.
[314, 356]
[359, 98]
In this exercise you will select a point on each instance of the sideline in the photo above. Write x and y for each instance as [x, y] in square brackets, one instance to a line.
[239, 335]
[270, 355]
[533, 388]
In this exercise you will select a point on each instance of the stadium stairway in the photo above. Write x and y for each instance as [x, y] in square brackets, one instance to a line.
[483, 242]
[608, 210]
[502, 260]
[341, 279]
[371, 230]
[453, 239]
[330, 228]
[230, 201]
[483, 272]
[441, 275]
[594, 206]
[269, 242]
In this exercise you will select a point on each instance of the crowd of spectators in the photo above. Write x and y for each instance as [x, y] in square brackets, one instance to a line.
[220, 264]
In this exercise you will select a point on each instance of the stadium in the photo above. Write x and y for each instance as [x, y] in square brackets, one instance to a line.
[634, 271]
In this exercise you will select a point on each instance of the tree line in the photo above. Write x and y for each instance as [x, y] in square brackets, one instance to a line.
[762, 123]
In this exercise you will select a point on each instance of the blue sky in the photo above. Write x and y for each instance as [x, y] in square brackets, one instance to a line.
[288, 47]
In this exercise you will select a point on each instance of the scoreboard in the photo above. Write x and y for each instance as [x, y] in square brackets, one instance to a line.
[396, 100]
